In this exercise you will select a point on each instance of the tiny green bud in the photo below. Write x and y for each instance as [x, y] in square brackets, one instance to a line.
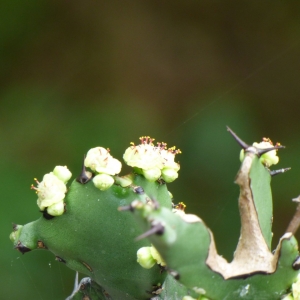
[103, 181]
[14, 236]
[144, 257]
[123, 181]
[242, 155]
[56, 209]
[169, 175]
[188, 298]
[62, 173]
[152, 174]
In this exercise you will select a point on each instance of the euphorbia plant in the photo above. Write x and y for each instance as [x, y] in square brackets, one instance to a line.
[158, 251]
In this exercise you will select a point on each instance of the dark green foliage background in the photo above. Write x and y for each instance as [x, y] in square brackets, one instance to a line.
[79, 74]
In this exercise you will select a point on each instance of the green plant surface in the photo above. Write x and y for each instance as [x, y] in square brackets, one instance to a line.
[187, 245]
[96, 239]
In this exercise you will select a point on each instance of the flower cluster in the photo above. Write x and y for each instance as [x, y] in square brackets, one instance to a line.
[269, 158]
[51, 191]
[152, 161]
[104, 165]
[147, 257]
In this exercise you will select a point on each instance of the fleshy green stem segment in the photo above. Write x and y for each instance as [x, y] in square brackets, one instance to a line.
[158, 251]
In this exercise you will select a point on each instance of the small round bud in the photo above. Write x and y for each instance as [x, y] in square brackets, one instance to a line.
[188, 298]
[14, 236]
[103, 181]
[242, 155]
[56, 209]
[152, 174]
[169, 175]
[62, 173]
[144, 257]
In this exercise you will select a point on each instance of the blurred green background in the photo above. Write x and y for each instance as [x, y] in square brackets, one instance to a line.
[79, 74]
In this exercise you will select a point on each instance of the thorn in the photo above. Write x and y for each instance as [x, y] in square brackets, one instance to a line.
[280, 171]
[126, 208]
[15, 226]
[84, 176]
[20, 247]
[158, 229]
[60, 260]
[139, 190]
[296, 264]
[263, 151]
[240, 142]
[173, 273]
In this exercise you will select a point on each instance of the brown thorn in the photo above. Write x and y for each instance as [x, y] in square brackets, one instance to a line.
[156, 229]
[280, 171]
[240, 142]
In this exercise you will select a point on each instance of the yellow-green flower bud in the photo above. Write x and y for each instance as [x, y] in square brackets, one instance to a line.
[152, 174]
[188, 298]
[103, 181]
[242, 155]
[169, 175]
[14, 236]
[62, 173]
[56, 209]
[145, 258]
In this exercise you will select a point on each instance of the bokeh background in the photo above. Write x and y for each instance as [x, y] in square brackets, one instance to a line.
[79, 74]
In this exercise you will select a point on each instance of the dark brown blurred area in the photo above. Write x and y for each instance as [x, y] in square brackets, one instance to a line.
[79, 74]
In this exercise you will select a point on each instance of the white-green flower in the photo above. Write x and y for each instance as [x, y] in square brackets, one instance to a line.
[99, 160]
[103, 181]
[145, 156]
[50, 191]
[269, 158]
[154, 161]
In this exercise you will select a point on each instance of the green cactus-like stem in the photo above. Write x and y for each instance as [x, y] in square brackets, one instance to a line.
[95, 238]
